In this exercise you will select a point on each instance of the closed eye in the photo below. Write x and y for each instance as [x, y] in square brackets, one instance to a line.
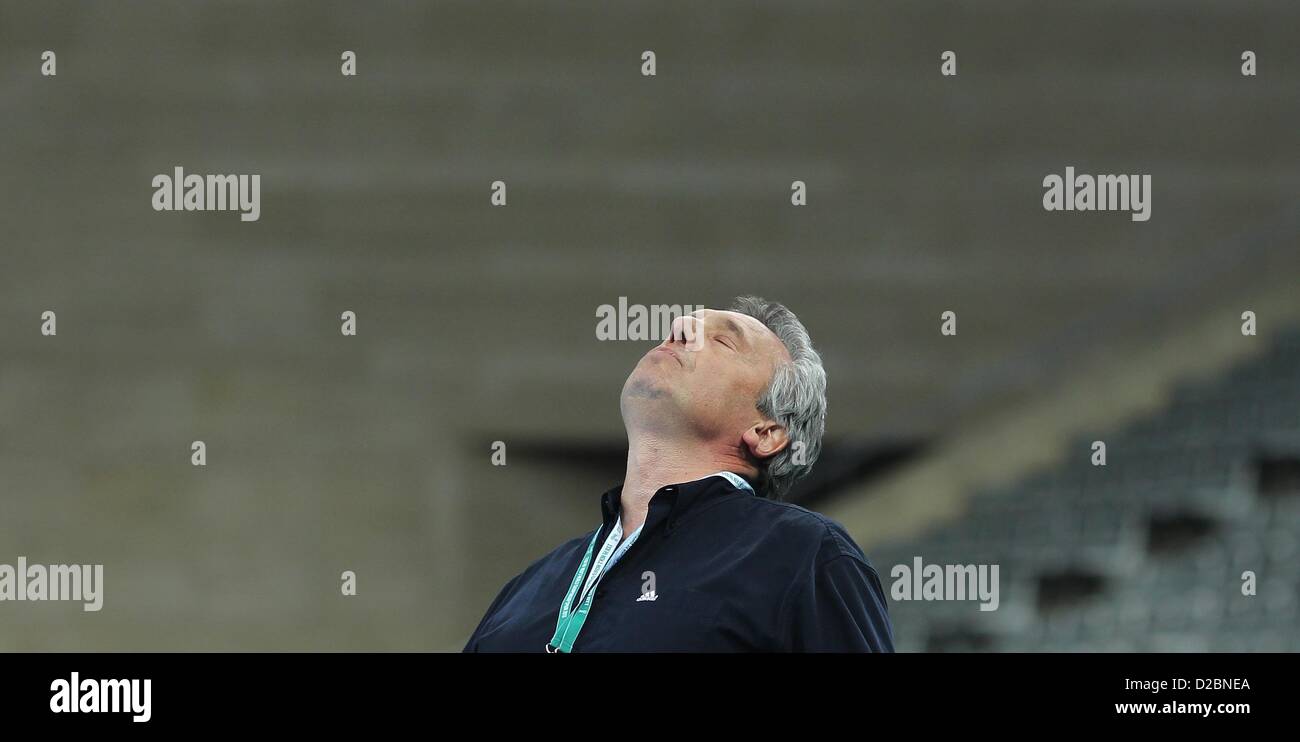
[726, 341]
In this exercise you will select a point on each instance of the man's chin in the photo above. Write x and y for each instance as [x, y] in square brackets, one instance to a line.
[642, 385]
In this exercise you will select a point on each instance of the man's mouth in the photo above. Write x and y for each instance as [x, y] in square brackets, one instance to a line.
[671, 352]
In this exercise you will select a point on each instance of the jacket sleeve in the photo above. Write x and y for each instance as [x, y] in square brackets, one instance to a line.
[472, 644]
[840, 607]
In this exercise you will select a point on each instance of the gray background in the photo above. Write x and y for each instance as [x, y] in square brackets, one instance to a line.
[476, 324]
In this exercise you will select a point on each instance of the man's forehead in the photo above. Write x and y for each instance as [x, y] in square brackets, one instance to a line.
[753, 329]
[745, 321]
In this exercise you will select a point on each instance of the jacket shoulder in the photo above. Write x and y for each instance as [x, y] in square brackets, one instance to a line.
[824, 536]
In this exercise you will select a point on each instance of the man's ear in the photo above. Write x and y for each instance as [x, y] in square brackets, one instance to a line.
[765, 439]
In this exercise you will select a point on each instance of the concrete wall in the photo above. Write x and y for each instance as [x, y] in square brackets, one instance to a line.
[370, 453]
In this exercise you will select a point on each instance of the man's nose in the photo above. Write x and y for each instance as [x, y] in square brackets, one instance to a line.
[688, 331]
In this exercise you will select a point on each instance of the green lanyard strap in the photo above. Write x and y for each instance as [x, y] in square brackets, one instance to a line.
[569, 623]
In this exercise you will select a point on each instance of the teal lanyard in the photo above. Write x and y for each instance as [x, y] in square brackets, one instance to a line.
[569, 623]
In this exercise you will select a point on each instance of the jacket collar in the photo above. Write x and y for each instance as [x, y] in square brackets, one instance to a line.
[672, 501]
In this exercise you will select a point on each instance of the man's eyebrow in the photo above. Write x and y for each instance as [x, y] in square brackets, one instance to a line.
[736, 329]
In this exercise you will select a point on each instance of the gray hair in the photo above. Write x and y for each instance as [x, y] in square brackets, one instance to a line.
[796, 397]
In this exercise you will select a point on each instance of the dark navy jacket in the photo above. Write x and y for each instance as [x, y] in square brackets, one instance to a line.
[728, 571]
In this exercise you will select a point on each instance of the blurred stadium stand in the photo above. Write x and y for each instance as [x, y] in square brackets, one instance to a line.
[1147, 552]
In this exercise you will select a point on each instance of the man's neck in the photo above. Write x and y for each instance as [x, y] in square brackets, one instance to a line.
[653, 463]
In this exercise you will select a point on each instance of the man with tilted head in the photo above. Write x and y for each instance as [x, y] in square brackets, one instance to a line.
[696, 552]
